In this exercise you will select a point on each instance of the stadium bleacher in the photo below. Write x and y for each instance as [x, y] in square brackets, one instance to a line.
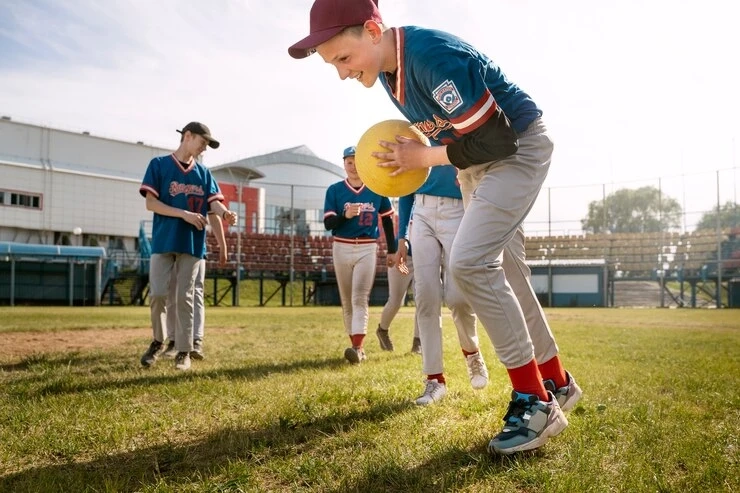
[635, 254]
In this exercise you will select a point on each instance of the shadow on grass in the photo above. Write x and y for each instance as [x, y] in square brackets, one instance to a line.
[66, 360]
[452, 470]
[190, 464]
[71, 384]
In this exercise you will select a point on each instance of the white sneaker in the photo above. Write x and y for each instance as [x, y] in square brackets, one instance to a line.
[477, 370]
[182, 361]
[433, 392]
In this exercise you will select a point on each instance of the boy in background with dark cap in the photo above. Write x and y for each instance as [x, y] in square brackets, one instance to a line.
[491, 130]
[181, 193]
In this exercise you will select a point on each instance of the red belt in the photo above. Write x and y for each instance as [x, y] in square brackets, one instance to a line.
[354, 241]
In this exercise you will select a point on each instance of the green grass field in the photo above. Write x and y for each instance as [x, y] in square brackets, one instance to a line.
[274, 407]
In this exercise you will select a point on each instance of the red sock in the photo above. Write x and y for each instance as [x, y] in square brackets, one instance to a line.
[527, 380]
[439, 377]
[468, 353]
[357, 340]
[553, 370]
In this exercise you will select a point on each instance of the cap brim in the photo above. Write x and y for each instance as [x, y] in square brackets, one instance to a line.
[212, 143]
[305, 47]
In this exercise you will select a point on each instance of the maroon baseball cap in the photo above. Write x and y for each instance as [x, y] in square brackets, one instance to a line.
[330, 17]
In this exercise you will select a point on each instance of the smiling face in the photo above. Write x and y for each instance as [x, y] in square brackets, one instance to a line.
[349, 167]
[358, 53]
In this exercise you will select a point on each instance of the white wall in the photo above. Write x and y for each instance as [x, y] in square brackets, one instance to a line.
[309, 184]
[85, 181]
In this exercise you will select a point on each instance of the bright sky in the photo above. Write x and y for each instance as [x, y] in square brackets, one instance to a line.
[631, 89]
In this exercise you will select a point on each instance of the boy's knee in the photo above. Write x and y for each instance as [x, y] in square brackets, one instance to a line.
[461, 266]
[465, 265]
[158, 298]
[456, 300]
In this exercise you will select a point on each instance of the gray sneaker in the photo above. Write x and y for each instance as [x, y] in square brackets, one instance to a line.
[385, 340]
[197, 352]
[416, 346]
[355, 355]
[567, 396]
[433, 392]
[151, 355]
[170, 352]
[182, 361]
[528, 424]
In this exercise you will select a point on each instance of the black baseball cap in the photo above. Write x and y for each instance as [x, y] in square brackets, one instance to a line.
[200, 129]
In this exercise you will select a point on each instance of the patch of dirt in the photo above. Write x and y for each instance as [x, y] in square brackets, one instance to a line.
[18, 345]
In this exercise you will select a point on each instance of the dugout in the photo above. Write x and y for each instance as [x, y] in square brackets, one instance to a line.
[50, 274]
[733, 293]
[570, 283]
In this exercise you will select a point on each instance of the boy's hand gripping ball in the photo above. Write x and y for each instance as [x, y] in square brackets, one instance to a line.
[377, 178]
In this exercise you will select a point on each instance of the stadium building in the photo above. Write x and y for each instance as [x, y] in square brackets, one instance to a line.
[67, 188]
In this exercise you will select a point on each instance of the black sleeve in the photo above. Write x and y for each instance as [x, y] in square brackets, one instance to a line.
[333, 222]
[493, 140]
[390, 236]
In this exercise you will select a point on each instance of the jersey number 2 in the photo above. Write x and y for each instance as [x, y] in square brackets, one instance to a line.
[366, 219]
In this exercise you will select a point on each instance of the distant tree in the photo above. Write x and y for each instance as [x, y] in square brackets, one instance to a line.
[729, 217]
[643, 210]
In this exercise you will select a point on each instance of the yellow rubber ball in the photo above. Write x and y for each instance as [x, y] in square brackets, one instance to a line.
[377, 178]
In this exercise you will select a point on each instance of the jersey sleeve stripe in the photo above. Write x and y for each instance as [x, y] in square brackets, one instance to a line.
[215, 197]
[477, 115]
[401, 72]
[387, 213]
[146, 188]
[329, 214]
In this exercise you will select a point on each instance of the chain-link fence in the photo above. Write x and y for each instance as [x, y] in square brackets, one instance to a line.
[685, 225]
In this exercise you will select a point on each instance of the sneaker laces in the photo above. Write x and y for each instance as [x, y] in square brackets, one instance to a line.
[475, 365]
[516, 410]
[431, 386]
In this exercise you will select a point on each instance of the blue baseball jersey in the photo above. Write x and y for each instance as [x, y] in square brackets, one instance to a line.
[447, 88]
[442, 182]
[193, 189]
[341, 195]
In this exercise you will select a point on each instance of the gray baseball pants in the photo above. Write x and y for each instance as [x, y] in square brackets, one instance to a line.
[199, 309]
[398, 286]
[354, 266]
[487, 260]
[436, 221]
[160, 276]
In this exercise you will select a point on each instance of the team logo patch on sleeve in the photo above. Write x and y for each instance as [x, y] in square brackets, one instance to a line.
[447, 95]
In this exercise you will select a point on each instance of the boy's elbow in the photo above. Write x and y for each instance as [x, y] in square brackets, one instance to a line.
[511, 148]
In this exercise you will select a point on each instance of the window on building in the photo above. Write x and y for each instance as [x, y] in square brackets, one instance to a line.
[20, 199]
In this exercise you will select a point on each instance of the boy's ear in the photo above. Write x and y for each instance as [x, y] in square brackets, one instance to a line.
[374, 30]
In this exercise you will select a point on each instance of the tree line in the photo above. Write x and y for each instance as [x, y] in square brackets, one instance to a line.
[647, 210]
